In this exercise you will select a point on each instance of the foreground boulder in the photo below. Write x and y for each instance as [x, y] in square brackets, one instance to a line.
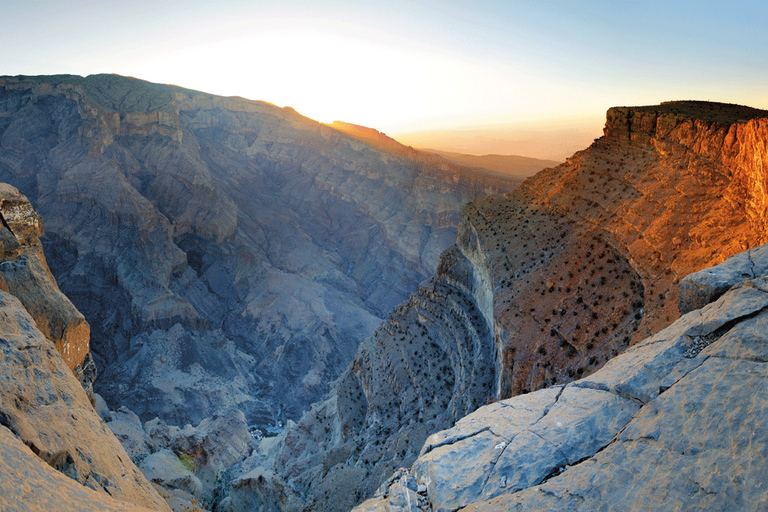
[45, 412]
[676, 422]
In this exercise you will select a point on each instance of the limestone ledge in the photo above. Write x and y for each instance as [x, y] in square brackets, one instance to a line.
[643, 432]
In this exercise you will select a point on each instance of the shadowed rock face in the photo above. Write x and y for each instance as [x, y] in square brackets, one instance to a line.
[225, 252]
[55, 452]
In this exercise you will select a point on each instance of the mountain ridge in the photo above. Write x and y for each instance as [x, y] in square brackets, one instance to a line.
[261, 244]
[553, 279]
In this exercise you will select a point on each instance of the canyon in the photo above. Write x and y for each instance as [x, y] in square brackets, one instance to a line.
[488, 344]
[544, 286]
[225, 252]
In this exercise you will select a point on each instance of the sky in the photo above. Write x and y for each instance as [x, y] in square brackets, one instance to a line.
[482, 76]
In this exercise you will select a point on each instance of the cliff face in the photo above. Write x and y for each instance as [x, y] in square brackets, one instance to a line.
[226, 253]
[56, 453]
[667, 191]
[544, 286]
[24, 274]
[676, 422]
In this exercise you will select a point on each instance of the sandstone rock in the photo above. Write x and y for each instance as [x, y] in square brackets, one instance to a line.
[30, 485]
[45, 407]
[128, 430]
[166, 469]
[705, 286]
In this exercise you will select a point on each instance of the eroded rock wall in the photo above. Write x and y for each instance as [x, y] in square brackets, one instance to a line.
[578, 265]
[226, 252]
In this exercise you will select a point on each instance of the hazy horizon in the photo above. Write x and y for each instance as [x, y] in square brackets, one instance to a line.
[481, 77]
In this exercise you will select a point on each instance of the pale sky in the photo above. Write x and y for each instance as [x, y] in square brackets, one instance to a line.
[484, 73]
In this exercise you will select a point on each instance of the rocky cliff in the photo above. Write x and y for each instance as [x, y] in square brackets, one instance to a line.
[24, 274]
[676, 422]
[55, 451]
[226, 253]
[544, 286]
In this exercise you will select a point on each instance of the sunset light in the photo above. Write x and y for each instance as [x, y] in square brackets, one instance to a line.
[407, 68]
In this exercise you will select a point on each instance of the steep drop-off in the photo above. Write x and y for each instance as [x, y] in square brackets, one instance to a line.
[543, 287]
[225, 252]
[676, 422]
[55, 451]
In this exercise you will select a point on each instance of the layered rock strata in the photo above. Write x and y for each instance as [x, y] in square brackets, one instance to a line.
[24, 273]
[56, 451]
[674, 422]
[226, 252]
[554, 279]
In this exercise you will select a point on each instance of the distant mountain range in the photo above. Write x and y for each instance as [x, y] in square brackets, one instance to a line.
[520, 167]
[502, 166]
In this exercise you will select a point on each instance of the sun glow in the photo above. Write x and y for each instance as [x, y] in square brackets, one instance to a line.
[327, 76]
[407, 66]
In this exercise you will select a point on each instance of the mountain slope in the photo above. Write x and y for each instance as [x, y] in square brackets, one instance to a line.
[225, 252]
[544, 285]
[499, 165]
[677, 422]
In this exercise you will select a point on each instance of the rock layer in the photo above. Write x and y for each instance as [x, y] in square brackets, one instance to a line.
[24, 273]
[43, 406]
[551, 281]
[226, 252]
[674, 422]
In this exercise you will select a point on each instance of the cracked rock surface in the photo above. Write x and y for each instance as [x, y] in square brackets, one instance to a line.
[655, 429]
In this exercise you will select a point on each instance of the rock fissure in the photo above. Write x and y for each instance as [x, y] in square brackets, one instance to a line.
[453, 440]
[751, 264]
[601, 387]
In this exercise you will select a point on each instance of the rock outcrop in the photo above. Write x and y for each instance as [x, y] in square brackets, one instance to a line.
[189, 463]
[226, 252]
[56, 451]
[24, 273]
[676, 422]
[543, 287]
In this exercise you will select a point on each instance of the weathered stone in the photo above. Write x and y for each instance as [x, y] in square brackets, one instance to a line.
[700, 288]
[46, 408]
[128, 430]
[30, 485]
[166, 469]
